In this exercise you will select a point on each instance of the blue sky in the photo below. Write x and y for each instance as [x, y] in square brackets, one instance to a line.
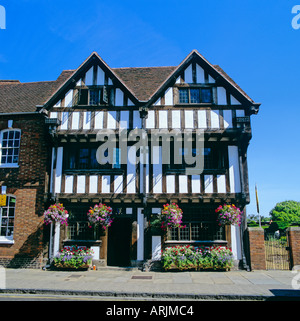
[253, 41]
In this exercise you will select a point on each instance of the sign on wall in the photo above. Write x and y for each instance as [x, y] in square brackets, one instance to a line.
[2, 200]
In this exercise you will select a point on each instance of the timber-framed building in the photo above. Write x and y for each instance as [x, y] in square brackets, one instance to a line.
[192, 96]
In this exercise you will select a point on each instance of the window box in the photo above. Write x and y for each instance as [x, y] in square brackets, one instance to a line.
[73, 257]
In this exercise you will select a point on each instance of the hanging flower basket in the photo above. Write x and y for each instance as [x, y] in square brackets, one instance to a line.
[100, 215]
[171, 216]
[229, 215]
[56, 213]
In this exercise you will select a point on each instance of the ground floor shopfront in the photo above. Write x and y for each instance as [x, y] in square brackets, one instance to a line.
[134, 238]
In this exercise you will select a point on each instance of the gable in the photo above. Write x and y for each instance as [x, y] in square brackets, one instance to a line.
[195, 70]
[93, 75]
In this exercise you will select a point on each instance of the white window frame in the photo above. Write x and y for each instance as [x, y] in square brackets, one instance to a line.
[8, 165]
[8, 239]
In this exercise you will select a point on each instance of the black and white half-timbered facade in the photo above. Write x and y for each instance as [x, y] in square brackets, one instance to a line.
[195, 97]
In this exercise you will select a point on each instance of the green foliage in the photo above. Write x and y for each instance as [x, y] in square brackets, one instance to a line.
[73, 257]
[189, 257]
[286, 213]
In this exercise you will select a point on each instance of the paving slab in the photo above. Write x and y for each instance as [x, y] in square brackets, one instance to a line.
[259, 285]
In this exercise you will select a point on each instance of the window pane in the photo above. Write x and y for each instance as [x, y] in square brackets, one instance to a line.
[185, 233]
[94, 162]
[83, 158]
[206, 95]
[3, 231]
[116, 160]
[94, 97]
[71, 159]
[195, 96]
[7, 217]
[10, 147]
[83, 97]
[4, 211]
[12, 202]
[183, 96]
[208, 158]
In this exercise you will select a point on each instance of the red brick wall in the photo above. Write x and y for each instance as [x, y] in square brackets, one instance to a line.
[257, 248]
[27, 183]
[293, 234]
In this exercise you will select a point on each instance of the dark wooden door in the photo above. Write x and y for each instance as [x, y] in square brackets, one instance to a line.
[119, 241]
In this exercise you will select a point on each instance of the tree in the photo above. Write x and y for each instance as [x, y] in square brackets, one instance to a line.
[286, 213]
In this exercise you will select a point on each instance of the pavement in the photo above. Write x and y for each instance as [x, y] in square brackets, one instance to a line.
[133, 283]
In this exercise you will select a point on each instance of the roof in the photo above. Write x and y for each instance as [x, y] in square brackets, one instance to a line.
[16, 97]
[143, 84]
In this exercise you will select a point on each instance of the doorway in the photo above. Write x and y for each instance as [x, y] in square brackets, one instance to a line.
[119, 242]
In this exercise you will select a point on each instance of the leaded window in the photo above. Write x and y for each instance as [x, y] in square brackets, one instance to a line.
[195, 96]
[200, 225]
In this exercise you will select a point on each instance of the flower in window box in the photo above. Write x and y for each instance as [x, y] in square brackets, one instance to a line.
[100, 215]
[229, 215]
[74, 257]
[56, 213]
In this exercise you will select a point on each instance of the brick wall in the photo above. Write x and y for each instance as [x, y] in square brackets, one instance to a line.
[293, 233]
[257, 248]
[27, 183]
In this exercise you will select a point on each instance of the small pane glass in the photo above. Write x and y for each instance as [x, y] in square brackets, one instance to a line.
[206, 95]
[195, 96]
[183, 96]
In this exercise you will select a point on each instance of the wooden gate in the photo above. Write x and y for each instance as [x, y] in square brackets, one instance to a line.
[277, 253]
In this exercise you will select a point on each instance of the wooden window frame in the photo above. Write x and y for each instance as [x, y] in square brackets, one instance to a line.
[110, 93]
[13, 148]
[199, 88]
[7, 238]
[219, 151]
[107, 168]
